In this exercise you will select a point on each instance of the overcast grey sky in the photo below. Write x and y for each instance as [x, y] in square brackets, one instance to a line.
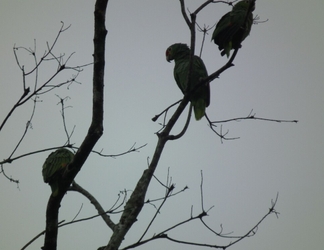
[278, 73]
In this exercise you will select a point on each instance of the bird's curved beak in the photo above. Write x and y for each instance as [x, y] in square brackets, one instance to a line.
[167, 56]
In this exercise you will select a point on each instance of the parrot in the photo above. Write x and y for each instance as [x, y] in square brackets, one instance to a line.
[234, 27]
[53, 167]
[200, 99]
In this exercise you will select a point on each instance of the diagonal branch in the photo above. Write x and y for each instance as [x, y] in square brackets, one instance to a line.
[184, 14]
[76, 187]
[167, 195]
[175, 137]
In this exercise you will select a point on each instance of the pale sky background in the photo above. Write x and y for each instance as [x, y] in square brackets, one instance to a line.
[278, 73]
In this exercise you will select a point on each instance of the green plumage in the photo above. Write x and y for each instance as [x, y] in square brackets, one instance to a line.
[200, 99]
[53, 167]
[234, 27]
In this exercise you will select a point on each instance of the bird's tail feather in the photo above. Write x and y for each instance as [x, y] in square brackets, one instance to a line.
[199, 107]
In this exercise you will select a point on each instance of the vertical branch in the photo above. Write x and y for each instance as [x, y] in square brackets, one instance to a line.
[94, 133]
[183, 11]
[99, 61]
[192, 28]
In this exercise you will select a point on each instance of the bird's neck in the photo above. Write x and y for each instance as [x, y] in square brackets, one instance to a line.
[184, 56]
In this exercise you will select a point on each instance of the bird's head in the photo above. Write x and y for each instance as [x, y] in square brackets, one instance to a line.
[176, 51]
[244, 5]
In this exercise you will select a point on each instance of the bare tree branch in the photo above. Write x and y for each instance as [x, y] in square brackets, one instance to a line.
[93, 200]
[167, 195]
[253, 230]
[10, 160]
[164, 235]
[95, 129]
[27, 94]
[175, 137]
[164, 111]
[183, 11]
[251, 116]
[221, 135]
[8, 177]
[130, 150]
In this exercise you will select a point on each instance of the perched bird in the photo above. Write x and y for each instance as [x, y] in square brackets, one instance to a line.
[53, 167]
[180, 53]
[234, 27]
